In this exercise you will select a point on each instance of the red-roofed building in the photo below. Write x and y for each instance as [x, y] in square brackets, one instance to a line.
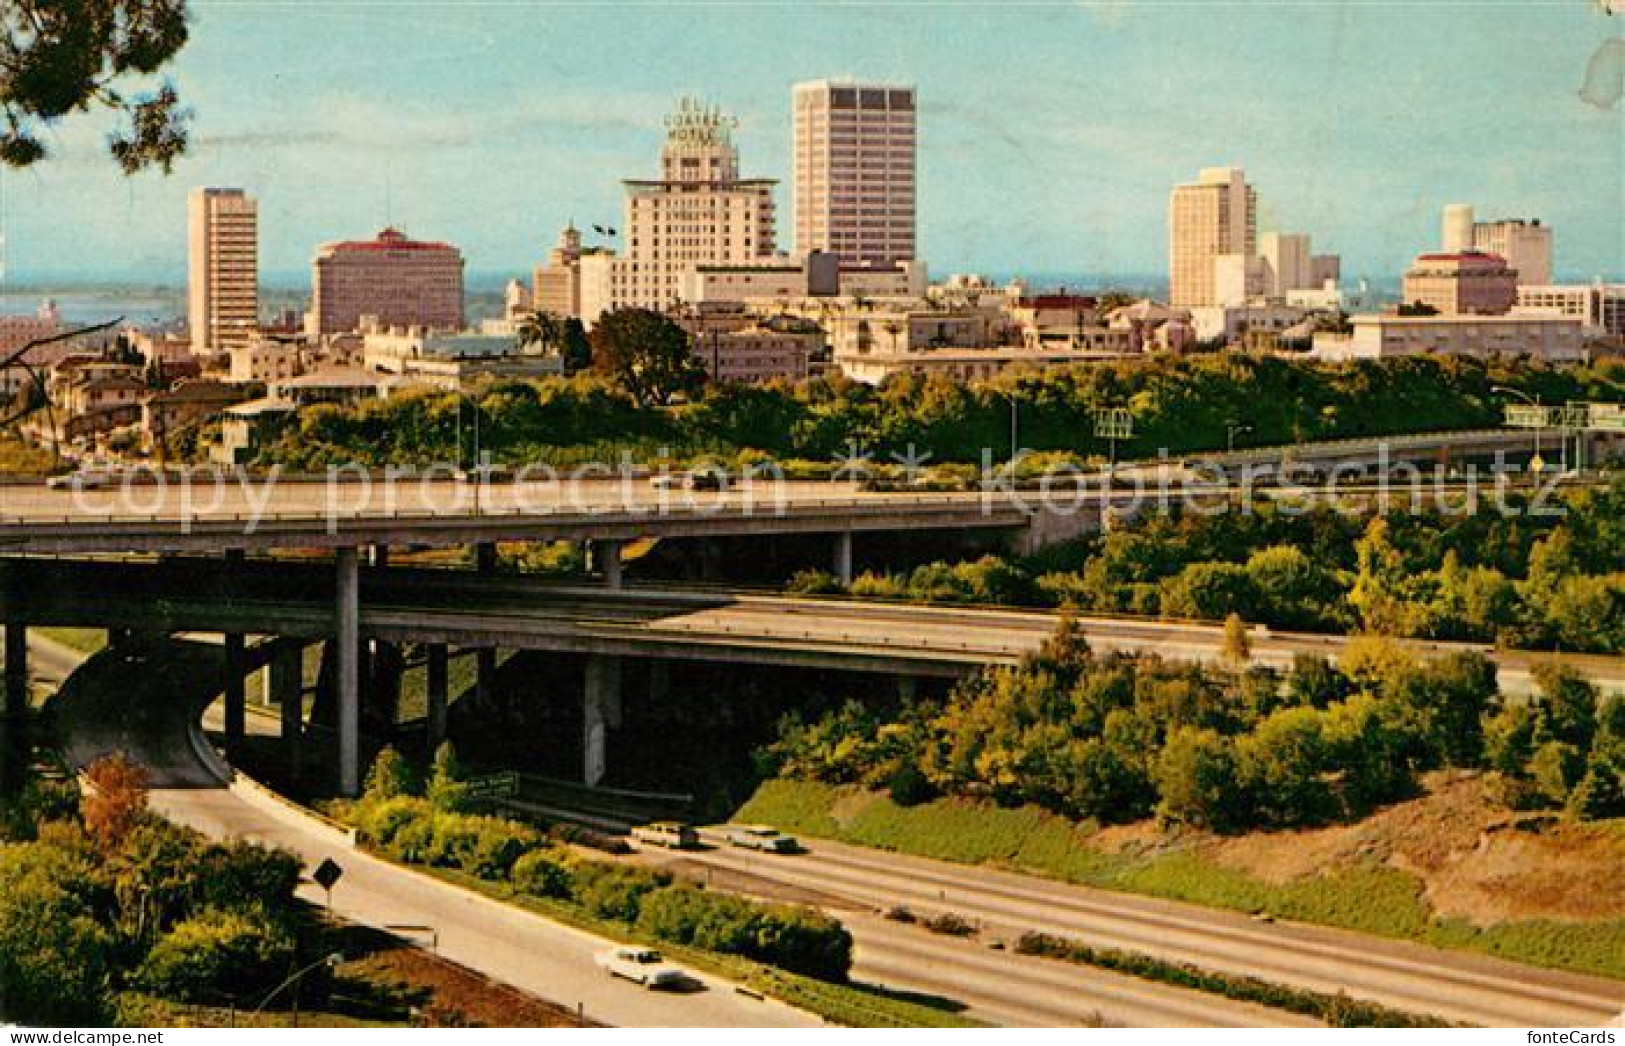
[400, 281]
[1462, 282]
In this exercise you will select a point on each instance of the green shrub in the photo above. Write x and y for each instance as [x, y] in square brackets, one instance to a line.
[539, 872]
[391, 776]
[612, 891]
[380, 822]
[482, 846]
[218, 957]
[796, 939]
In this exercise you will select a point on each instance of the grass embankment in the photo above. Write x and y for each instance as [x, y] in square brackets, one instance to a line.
[1338, 1011]
[846, 1004]
[1369, 898]
[84, 640]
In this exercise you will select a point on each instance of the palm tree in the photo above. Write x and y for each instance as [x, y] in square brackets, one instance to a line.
[541, 329]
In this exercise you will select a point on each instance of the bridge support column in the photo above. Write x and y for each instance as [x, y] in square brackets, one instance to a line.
[609, 561]
[602, 712]
[287, 689]
[236, 691]
[435, 728]
[347, 673]
[908, 688]
[843, 557]
[380, 556]
[485, 556]
[14, 708]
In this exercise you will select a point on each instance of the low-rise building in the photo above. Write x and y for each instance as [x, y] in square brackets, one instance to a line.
[246, 428]
[1462, 283]
[858, 330]
[1233, 323]
[965, 364]
[1600, 306]
[343, 385]
[1553, 339]
[266, 360]
[164, 413]
[451, 360]
[736, 345]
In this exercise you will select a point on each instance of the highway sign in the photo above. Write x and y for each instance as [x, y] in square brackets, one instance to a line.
[326, 874]
[1114, 423]
[493, 786]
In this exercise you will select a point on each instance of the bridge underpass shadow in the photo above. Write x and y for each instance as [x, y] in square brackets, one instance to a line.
[145, 700]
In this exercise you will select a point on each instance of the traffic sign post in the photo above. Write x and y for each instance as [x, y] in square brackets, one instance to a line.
[1114, 423]
[326, 874]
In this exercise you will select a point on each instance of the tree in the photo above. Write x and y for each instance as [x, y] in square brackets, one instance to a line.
[647, 355]
[58, 57]
[391, 776]
[115, 800]
[575, 347]
[1196, 777]
[1237, 648]
[543, 330]
[447, 789]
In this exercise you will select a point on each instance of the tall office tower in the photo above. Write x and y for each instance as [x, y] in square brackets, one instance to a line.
[1526, 246]
[1287, 261]
[699, 212]
[400, 282]
[1211, 217]
[223, 278]
[1456, 229]
[855, 172]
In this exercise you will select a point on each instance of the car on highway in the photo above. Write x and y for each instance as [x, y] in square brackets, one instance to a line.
[673, 835]
[762, 837]
[82, 479]
[643, 966]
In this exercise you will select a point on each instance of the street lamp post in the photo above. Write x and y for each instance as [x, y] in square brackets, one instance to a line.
[331, 960]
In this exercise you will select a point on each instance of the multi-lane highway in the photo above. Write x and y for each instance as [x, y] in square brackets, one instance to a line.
[150, 709]
[1453, 985]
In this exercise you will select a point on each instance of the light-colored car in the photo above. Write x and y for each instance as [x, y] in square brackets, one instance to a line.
[671, 834]
[83, 479]
[761, 837]
[643, 966]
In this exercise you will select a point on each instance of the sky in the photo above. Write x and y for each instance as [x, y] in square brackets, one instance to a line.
[1050, 133]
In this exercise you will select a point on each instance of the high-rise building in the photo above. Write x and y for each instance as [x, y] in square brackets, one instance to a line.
[1526, 246]
[855, 182]
[223, 298]
[400, 281]
[1208, 218]
[1287, 261]
[698, 212]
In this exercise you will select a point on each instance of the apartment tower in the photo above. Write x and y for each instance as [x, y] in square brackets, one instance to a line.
[1208, 219]
[223, 300]
[855, 172]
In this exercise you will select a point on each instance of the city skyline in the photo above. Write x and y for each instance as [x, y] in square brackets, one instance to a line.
[1053, 166]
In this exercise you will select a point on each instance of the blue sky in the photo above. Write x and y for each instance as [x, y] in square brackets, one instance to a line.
[1050, 132]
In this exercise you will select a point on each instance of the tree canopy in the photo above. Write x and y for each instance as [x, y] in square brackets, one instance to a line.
[58, 57]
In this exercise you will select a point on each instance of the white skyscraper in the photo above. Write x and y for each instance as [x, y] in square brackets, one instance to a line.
[855, 175]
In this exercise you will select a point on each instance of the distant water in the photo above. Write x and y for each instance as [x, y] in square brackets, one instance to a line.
[82, 306]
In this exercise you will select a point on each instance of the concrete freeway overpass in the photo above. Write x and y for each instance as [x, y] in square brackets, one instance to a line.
[442, 609]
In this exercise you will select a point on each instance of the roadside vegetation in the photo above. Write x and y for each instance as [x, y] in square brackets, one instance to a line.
[1029, 767]
[793, 952]
[1180, 404]
[104, 905]
[1337, 1011]
[1519, 580]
